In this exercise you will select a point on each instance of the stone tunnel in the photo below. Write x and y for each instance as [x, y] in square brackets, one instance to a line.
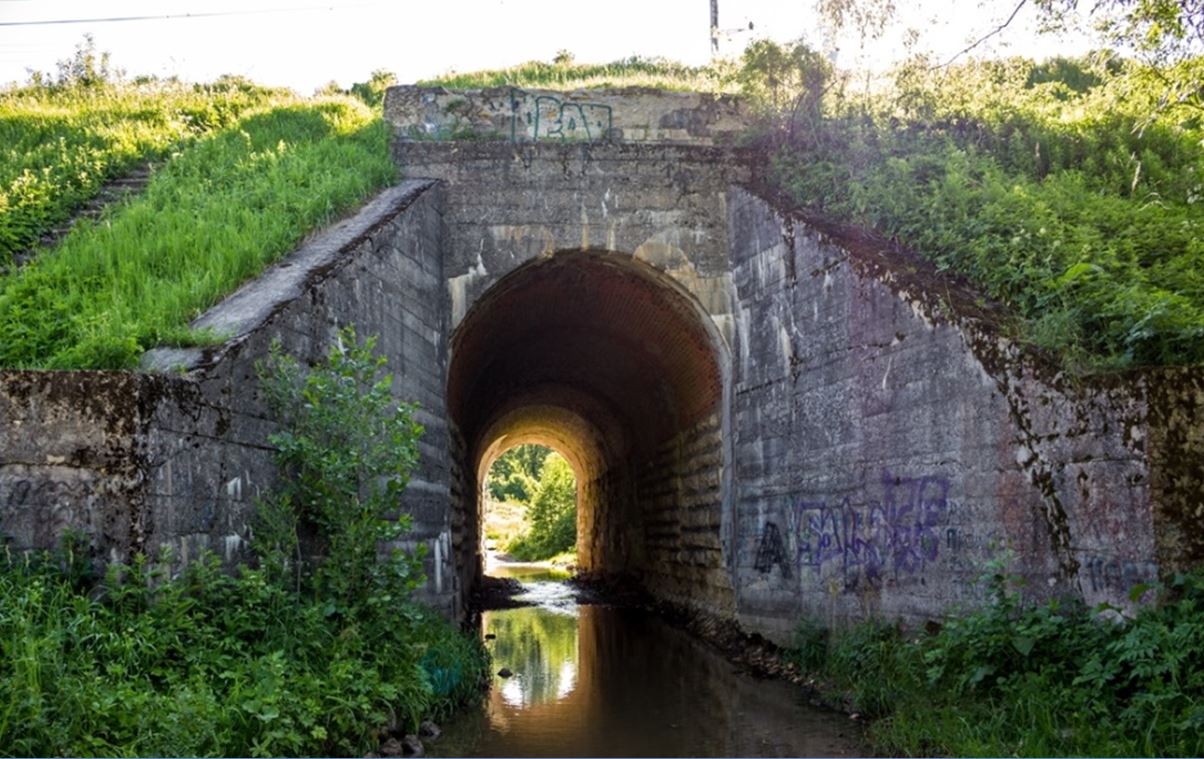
[609, 362]
[769, 415]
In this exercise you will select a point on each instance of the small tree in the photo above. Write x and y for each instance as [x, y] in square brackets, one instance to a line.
[553, 511]
[86, 67]
[372, 91]
[790, 81]
[345, 451]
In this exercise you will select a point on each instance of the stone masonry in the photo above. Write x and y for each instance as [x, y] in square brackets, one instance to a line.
[769, 415]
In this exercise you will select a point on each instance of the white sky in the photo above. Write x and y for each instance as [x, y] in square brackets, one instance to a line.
[306, 43]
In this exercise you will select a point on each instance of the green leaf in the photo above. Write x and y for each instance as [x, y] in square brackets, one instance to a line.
[1023, 644]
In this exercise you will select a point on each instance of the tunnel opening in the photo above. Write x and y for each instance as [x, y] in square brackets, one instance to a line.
[529, 507]
[612, 363]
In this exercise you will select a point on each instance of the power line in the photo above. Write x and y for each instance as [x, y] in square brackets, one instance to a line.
[170, 16]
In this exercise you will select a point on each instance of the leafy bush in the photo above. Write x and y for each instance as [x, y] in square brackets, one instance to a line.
[552, 514]
[206, 663]
[346, 452]
[1033, 680]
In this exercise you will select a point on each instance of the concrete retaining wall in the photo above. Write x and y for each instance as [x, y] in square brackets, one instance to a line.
[890, 448]
[175, 458]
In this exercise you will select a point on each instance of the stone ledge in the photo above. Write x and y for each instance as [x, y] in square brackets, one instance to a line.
[253, 304]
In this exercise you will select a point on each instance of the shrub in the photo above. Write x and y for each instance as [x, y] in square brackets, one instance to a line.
[205, 663]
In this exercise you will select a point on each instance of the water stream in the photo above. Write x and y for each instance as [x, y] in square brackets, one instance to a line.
[602, 681]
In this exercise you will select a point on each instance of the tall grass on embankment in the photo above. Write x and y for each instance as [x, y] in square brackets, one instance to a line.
[1017, 679]
[564, 74]
[215, 215]
[1058, 189]
[60, 144]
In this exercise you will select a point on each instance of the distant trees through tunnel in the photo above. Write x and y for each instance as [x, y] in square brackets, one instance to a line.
[530, 505]
[613, 365]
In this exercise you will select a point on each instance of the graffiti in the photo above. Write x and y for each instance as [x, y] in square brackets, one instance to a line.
[902, 533]
[547, 117]
[1106, 574]
[771, 551]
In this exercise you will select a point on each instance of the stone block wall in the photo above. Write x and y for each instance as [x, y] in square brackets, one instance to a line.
[680, 496]
[890, 447]
[175, 458]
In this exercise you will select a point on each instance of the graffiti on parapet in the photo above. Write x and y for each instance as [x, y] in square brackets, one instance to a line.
[543, 117]
[899, 534]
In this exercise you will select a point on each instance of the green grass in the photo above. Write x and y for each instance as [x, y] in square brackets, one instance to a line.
[209, 664]
[215, 215]
[59, 145]
[1046, 186]
[655, 73]
[1010, 679]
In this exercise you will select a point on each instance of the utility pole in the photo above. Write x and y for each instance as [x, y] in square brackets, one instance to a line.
[714, 29]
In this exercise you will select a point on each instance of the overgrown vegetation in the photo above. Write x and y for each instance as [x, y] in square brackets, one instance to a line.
[62, 138]
[213, 216]
[564, 73]
[539, 484]
[1017, 679]
[1066, 190]
[311, 653]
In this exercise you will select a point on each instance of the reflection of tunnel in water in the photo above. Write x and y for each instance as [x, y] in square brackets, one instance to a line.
[620, 682]
[613, 364]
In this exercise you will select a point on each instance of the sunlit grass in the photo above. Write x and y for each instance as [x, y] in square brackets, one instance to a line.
[209, 219]
[654, 73]
[58, 146]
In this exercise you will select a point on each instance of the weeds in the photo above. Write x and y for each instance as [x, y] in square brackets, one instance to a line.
[1030, 680]
[212, 217]
[1051, 187]
[140, 662]
[565, 74]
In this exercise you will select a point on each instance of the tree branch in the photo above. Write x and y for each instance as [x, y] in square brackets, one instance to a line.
[986, 36]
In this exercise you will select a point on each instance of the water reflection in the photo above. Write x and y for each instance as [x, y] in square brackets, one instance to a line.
[599, 681]
[540, 648]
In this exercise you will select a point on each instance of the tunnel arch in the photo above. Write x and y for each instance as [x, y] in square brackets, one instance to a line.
[611, 362]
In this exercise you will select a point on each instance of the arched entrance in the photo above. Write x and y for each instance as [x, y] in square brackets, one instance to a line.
[613, 364]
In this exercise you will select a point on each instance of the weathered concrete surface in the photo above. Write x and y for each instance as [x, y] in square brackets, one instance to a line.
[889, 446]
[149, 461]
[769, 416]
[617, 115]
[578, 277]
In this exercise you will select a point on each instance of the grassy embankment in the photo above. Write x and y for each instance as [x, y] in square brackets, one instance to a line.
[270, 168]
[61, 144]
[1049, 187]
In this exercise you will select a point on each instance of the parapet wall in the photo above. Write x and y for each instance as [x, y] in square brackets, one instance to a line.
[518, 115]
[175, 458]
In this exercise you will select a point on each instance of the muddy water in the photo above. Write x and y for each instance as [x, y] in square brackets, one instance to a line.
[603, 681]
